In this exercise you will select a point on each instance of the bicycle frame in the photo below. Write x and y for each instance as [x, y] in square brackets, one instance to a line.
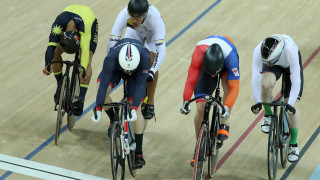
[127, 145]
[209, 136]
[65, 99]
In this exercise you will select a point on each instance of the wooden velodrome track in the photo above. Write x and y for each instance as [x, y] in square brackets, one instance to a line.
[27, 119]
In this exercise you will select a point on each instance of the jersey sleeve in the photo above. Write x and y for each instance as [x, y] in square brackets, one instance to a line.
[256, 75]
[142, 74]
[117, 29]
[107, 73]
[85, 48]
[159, 32]
[56, 30]
[193, 73]
[295, 75]
[232, 65]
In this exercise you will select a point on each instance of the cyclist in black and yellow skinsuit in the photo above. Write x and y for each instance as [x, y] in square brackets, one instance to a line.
[76, 27]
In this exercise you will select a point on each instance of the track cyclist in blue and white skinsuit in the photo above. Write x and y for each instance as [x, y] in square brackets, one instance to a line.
[129, 59]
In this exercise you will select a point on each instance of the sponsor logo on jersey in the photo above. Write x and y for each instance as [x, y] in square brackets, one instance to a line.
[235, 72]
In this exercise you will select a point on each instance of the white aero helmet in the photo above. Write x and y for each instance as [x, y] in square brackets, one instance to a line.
[271, 49]
[129, 58]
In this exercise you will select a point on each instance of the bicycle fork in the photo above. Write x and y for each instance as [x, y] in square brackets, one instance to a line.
[125, 139]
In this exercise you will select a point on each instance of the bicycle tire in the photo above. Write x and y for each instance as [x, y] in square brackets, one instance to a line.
[273, 149]
[116, 154]
[131, 156]
[61, 108]
[200, 155]
[213, 151]
[284, 145]
[74, 92]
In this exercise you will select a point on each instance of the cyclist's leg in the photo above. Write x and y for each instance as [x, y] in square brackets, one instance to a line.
[138, 127]
[270, 75]
[57, 71]
[205, 85]
[77, 107]
[294, 120]
[148, 112]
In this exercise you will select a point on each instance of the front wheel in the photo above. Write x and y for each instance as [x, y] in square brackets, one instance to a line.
[62, 108]
[74, 94]
[116, 154]
[285, 137]
[200, 154]
[273, 142]
[214, 150]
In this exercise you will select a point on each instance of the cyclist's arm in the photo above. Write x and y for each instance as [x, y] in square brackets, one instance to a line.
[193, 72]
[142, 74]
[232, 64]
[107, 73]
[56, 30]
[295, 76]
[256, 76]
[159, 32]
[117, 29]
[85, 48]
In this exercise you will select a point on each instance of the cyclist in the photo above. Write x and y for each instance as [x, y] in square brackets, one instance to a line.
[130, 59]
[144, 23]
[76, 28]
[276, 55]
[214, 55]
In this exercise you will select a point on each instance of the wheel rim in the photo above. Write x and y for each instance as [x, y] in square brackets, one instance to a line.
[117, 163]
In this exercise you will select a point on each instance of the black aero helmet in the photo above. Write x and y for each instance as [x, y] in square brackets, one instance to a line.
[213, 59]
[70, 41]
[139, 7]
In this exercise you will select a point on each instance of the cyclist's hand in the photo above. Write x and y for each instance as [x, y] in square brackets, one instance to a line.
[46, 72]
[256, 108]
[150, 76]
[96, 114]
[291, 110]
[226, 113]
[85, 78]
[185, 109]
[133, 116]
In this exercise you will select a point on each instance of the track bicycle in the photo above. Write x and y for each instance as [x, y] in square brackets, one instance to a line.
[68, 93]
[279, 134]
[208, 145]
[122, 138]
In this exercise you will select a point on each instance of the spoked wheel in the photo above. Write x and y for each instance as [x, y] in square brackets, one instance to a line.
[61, 108]
[214, 154]
[200, 155]
[116, 153]
[75, 92]
[273, 150]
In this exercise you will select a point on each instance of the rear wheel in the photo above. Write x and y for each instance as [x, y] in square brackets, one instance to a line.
[273, 143]
[61, 108]
[214, 151]
[75, 92]
[116, 153]
[200, 155]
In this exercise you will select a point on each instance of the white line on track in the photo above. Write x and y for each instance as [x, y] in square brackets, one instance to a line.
[38, 170]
